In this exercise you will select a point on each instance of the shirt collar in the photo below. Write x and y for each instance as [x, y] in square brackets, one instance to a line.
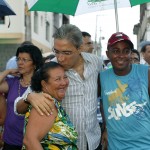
[86, 57]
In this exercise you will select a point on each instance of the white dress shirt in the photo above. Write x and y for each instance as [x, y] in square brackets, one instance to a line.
[80, 102]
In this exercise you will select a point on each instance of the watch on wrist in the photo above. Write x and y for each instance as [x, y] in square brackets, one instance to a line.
[25, 98]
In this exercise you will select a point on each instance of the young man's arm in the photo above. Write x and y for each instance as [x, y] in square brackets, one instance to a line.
[149, 81]
[104, 141]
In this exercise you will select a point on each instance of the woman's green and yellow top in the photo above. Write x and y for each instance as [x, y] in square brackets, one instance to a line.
[62, 136]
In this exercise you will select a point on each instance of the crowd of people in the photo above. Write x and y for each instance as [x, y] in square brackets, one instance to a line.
[52, 103]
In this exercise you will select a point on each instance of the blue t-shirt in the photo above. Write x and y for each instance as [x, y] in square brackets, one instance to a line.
[126, 106]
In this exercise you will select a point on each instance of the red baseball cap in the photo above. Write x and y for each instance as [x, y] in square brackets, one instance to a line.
[119, 36]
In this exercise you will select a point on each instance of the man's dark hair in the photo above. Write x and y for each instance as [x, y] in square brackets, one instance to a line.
[144, 48]
[49, 57]
[84, 34]
[137, 52]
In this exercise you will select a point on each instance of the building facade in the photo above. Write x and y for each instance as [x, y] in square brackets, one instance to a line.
[142, 29]
[37, 27]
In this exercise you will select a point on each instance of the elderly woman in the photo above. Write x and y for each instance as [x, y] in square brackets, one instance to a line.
[29, 59]
[54, 131]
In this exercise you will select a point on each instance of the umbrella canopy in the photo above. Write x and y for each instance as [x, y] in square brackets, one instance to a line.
[77, 7]
[5, 9]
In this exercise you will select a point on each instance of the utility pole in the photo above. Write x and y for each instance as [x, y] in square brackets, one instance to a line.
[27, 23]
[116, 15]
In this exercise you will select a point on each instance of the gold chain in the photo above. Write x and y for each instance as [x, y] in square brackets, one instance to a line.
[26, 84]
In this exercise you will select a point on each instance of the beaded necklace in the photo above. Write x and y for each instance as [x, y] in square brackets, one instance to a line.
[26, 84]
[19, 88]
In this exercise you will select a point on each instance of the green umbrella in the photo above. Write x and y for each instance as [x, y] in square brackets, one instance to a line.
[77, 7]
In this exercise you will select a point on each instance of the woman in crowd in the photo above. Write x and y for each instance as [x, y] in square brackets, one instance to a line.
[54, 131]
[29, 59]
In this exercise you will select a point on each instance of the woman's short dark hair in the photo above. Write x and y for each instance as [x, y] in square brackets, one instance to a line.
[34, 52]
[42, 74]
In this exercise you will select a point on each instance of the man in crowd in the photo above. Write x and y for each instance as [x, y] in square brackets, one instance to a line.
[80, 100]
[145, 50]
[87, 42]
[135, 57]
[125, 97]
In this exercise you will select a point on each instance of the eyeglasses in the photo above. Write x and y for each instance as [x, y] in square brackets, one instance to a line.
[24, 60]
[66, 52]
[126, 51]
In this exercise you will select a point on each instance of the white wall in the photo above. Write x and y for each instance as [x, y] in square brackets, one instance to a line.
[16, 21]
